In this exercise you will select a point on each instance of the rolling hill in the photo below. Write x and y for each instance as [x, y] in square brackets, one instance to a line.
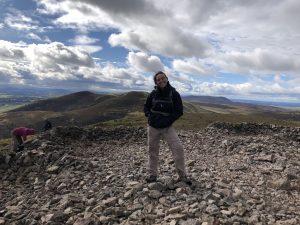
[87, 108]
[80, 108]
[207, 99]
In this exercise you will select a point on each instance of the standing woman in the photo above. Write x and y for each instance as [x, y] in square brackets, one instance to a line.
[163, 106]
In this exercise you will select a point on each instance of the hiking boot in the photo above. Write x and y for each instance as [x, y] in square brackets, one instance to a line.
[151, 179]
[20, 148]
[185, 180]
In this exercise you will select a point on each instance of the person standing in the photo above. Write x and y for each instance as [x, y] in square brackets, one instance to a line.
[47, 125]
[19, 135]
[164, 106]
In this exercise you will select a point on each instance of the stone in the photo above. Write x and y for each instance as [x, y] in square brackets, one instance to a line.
[110, 201]
[242, 174]
[53, 169]
[155, 194]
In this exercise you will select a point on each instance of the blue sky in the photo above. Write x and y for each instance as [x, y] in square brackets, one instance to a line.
[236, 49]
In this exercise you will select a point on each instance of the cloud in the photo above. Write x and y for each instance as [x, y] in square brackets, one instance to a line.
[172, 42]
[33, 36]
[53, 60]
[56, 62]
[191, 39]
[258, 61]
[18, 21]
[84, 40]
[75, 15]
[192, 66]
[85, 43]
[144, 63]
[10, 51]
[155, 32]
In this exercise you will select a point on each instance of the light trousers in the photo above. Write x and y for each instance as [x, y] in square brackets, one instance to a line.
[170, 136]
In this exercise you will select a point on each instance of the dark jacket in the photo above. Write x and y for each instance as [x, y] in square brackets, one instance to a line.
[163, 107]
[47, 125]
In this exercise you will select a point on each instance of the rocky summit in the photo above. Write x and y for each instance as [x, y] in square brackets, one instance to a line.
[241, 174]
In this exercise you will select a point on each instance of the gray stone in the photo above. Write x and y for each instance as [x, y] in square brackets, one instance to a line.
[155, 194]
[96, 175]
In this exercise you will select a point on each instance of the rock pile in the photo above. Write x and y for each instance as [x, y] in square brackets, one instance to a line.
[242, 174]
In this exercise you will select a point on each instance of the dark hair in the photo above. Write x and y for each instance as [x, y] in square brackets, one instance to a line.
[159, 72]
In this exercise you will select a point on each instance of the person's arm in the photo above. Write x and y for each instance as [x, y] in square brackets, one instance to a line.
[148, 105]
[178, 107]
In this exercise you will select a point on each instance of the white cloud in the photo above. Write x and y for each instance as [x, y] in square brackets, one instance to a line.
[7, 70]
[85, 43]
[18, 21]
[155, 32]
[84, 40]
[258, 61]
[33, 36]
[256, 39]
[172, 42]
[56, 61]
[11, 51]
[77, 15]
[192, 66]
[89, 48]
[144, 63]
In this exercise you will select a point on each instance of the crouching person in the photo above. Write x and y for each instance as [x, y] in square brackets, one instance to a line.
[18, 136]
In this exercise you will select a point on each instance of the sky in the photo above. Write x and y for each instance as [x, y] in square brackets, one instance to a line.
[233, 48]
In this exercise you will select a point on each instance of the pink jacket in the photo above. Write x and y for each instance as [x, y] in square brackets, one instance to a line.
[22, 131]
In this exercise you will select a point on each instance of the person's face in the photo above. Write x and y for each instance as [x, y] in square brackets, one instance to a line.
[161, 80]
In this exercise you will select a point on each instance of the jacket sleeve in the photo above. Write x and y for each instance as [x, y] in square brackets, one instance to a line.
[148, 105]
[178, 107]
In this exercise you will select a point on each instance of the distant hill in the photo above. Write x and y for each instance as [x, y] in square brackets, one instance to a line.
[80, 108]
[23, 90]
[64, 103]
[87, 108]
[207, 99]
[88, 101]
[268, 103]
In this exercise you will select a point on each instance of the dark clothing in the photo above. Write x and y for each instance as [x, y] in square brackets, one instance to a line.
[47, 125]
[163, 107]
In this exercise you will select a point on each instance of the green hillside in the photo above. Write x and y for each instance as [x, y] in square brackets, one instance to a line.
[198, 120]
[87, 108]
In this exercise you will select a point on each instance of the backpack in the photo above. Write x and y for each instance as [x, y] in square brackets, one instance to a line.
[168, 100]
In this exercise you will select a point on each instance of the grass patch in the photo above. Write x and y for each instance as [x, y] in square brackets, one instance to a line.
[5, 108]
[4, 145]
[132, 119]
[202, 120]
[190, 121]
[5, 95]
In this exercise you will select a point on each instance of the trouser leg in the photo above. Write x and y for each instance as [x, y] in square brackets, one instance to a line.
[176, 147]
[16, 141]
[153, 148]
